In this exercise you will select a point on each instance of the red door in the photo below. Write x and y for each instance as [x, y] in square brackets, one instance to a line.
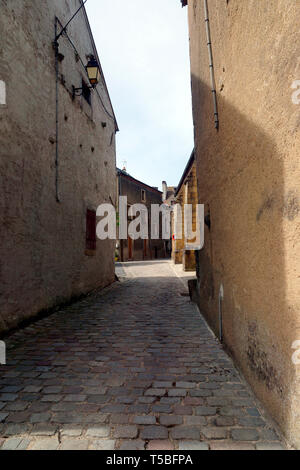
[130, 248]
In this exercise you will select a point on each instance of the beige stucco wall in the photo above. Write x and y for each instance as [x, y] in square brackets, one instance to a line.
[42, 250]
[248, 177]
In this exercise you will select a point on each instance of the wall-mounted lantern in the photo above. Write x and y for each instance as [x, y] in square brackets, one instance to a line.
[94, 74]
[93, 71]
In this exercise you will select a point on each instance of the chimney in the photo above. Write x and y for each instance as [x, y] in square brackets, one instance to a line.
[124, 166]
[164, 190]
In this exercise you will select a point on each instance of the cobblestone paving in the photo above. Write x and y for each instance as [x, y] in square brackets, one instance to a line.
[133, 368]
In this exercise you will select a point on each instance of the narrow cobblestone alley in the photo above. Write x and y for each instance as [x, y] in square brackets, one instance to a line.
[134, 367]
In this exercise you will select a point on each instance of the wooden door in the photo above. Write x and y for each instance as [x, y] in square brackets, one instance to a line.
[130, 248]
[145, 249]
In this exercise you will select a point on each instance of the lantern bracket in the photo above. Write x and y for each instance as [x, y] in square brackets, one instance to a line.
[79, 91]
[65, 27]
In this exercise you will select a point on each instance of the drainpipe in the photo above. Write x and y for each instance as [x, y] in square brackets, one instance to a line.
[211, 65]
[221, 297]
[56, 113]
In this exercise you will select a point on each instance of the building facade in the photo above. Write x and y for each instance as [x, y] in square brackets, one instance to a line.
[245, 73]
[57, 160]
[169, 199]
[168, 194]
[186, 193]
[139, 193]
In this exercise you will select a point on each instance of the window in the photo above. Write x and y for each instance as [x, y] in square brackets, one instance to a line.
[90, 230]
[2, 93]
[86, 92]
[143, 195]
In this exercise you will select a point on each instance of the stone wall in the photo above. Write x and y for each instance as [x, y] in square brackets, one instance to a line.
[248, 178]
[186, 194]
[43, 241]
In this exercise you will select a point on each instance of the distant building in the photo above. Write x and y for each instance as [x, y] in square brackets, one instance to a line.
[168, 198]
[186, 193]
[57, 160]
[139, 193]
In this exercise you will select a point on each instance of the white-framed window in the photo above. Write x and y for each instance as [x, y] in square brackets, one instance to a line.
[143, 195]
[2, 93]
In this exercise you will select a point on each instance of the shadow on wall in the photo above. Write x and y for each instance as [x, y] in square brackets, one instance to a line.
[253, 218]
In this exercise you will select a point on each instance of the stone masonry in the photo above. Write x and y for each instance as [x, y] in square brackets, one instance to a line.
[52, 177]
[134, 367]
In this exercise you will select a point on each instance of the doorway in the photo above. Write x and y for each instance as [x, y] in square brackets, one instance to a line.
[130, 257]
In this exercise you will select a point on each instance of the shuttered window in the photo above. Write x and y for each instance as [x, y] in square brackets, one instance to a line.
[90, 230]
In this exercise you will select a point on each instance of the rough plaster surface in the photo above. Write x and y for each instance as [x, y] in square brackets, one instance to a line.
[248, 177]
[42, 251]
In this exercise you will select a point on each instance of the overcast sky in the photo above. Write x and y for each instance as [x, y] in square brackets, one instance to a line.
[144, 51]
